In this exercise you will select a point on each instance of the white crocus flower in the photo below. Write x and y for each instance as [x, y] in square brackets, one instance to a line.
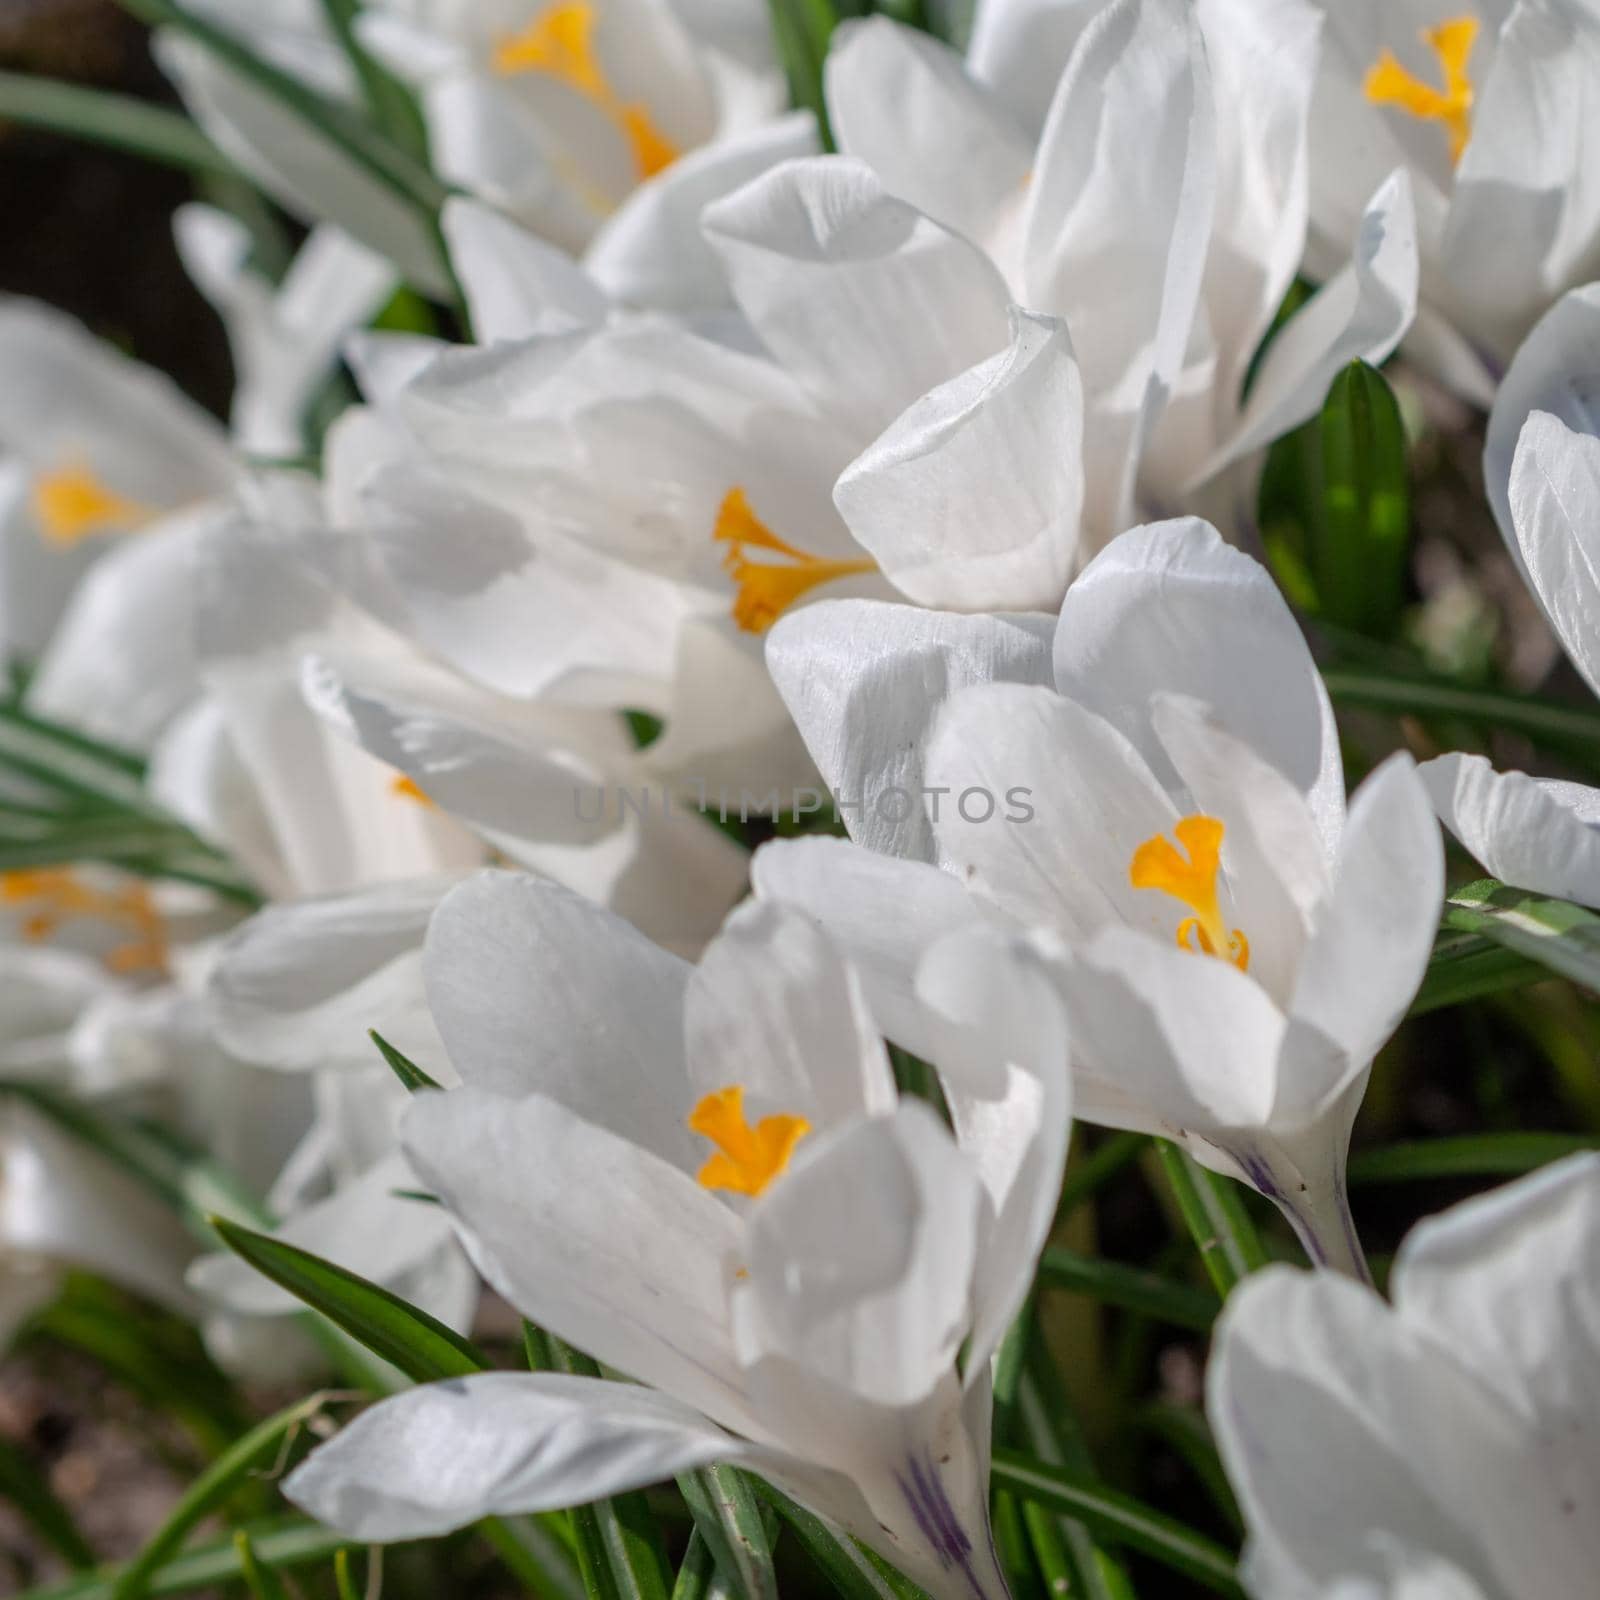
[1230, 989]
[603, 126]
[715, 1191]
[285, 337]
[104, 465]
[1486, 104]
[1542, 473]
[1032, 147]
[1443, 1447]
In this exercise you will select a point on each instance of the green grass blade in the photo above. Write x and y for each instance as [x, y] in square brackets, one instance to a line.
[23, 1484]
[408, 1338]
[1183, 1429]
[1089, 1175]
[848, 1567]
[1215, 1217]
[403, 1067]
[728, 1516]
[116, 120]
[266, 1442]
[1120, 1519]
[1132, 1288]
[1421, 696]
[1466, 967]
[1560, 936]
[262, 1581]
[1473, 1155]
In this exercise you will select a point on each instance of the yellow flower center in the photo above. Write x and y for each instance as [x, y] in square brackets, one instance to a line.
[747, 1158]
[560, 42]
[73, 504]
[764, 590]
[406, 788]
[1390, 84]
[54, 895]
[1192, 878]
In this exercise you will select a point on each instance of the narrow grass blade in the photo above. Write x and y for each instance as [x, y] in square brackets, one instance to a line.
[1473, 1155]
[23, 1484]
[1132, 1288]
[728, 1516]
[853, 1574]
[1215, 1216]
[403, 1067]
[262, 1581]
[1560, 936]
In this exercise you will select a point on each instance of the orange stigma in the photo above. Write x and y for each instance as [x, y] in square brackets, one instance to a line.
[1192, 879]
[51, 896]
[1390, 84]
[747, 1158]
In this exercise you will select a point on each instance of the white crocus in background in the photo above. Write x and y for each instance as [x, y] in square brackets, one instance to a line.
[1230, 989]
[1485, 103]
[1455, 1433]
[104, 464]
[285, 337]
[714, 1190]
[1542, 472]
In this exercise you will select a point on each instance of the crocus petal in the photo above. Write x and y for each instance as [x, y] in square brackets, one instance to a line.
[1004, 1065]
[1509, 1281]
[882, 912]
[1360, 314]
[860, 1261]
[1040, 807]
[299, 984]
[864, 682]
[1020, 46]
[901, 101]
[448, 1454]
[1374, 934]
[971, 499]
[839, 277]
[1555, 370]
[590, 1236]
[1533, 833]
[772, 1006]
[557, 964]
[1555, 504]
[516, 285]
[651, 251]
[1171, 608]
[1132, 115]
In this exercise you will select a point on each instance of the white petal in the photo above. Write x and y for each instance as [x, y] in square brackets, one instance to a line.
[901, 101]
[1019, 48]
[1132, 115]
[556, 966]
[1557, 369]
[1170, 608]
[651, 251]
[516, 284]
[883, 913]
[589, 1235]
[1532, 833]
[864, 299]
[1360, 314]
[448, 1454]
[1374, 935]
[1005, 1071]
[772, 1007]
[971, 498]
[864, 682]
[299, 984]
[1555, 512]
[861, 1258]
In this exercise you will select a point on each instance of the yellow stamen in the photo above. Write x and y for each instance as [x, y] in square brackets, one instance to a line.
[1390, 84]
[55, 895]
[1157, 864]
[73, 504]
[560, 42]
[766, 589]
[406, 789]
[747, 1158]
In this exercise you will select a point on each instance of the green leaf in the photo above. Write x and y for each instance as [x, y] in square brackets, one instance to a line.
[267, 1441]
[344, 1582]
[1361, 507]
[1133, 1288]
[1184, 1430]
[117, 120]
[284, 1542]
[390, 103]
[621, 1553]
[1466, 966]
[1558, 935]
[803, 30]
[728, 1516]
[419, 1345]
[1215, 1216]
[1473, 1155]
[1087, 1175]
[403, 1067]
[262, 1581]
[1119, 1518]
[23, 1483]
